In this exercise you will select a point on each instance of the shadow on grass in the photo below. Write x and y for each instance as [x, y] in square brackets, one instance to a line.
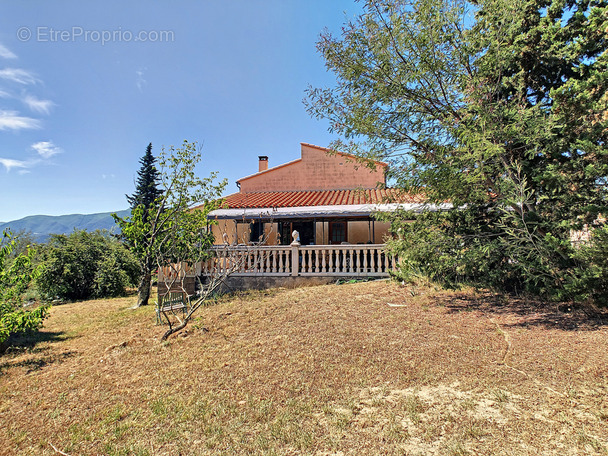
[531, 312]
[35, 364]
[29, 340]
[29, 344]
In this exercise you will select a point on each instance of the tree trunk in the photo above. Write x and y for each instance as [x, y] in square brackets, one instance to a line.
[143, 291]
[174, 329]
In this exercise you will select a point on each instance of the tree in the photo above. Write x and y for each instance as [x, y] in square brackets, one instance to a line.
[221, 262]
[85, 265]
[146, 190]
[146, 194]
[15, 276]
[170, 227]
[496, 106]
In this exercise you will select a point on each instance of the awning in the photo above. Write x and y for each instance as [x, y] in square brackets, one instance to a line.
[354, 210]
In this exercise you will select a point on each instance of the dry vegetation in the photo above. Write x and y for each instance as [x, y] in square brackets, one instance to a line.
[331, 370]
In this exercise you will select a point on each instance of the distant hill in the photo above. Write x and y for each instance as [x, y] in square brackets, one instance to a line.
[41, 226]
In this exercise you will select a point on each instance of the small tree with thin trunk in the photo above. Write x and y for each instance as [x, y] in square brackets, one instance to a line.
[169, 224]
[186, 250]
[15, 276]
[146, 193]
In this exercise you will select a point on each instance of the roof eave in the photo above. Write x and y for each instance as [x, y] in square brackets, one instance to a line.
[354, 210]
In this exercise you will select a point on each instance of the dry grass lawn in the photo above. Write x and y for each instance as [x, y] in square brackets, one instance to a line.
[357, 369]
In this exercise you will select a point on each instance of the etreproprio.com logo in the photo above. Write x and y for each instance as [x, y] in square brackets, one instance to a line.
[44, 34]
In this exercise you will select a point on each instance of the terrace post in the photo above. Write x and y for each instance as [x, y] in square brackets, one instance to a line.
[295, 254]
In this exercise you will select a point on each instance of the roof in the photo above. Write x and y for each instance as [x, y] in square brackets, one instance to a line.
[309, 198]
[331, 151]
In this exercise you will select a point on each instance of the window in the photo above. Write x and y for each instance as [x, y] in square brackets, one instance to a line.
[337, 232]
[256, 231]
[305, 228]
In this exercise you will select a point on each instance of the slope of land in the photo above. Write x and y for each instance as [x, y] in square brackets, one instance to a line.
[41, 226]
[356, 369]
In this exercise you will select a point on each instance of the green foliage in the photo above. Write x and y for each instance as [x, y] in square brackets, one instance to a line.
[478, 246]
[591, 278]
[498, 107]
[16, 273]
[24, 241]
[174, 227]
[146, 191]
[84, 265]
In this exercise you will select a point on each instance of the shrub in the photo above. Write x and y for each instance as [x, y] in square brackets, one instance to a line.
[590, 280]
[84, 265]
[16, 273]
[490, 247]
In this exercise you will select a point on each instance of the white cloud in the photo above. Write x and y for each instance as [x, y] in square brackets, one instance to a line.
[9, 163]
[41, 106]
[46, 149]
[4, 94]
[11, 120]
[6, 53]
[140, 82]
[18, 75]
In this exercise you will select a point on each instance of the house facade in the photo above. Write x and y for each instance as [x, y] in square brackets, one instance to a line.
[327, 197]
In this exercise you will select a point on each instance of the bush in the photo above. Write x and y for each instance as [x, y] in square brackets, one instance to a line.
[16, 273]
[85, 265]
[452, 248]
[494, 248]
[590, 280]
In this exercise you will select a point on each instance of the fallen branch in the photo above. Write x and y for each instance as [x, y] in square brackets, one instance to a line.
[58, 451]
[506, 354]
[507, 340]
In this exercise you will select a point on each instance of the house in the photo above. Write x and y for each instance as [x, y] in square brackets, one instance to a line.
[327, 196]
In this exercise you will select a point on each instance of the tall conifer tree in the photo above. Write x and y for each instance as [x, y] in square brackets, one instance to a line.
[146, 190]
[146, 193]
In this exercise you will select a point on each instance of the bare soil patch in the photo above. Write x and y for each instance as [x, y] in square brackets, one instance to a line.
[328, 370]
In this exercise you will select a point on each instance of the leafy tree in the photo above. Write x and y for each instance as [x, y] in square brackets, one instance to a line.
[170, 227]
[15, 276]
[496, 106]
[24, 241]
[84, 265]
[146, 194]
[146, 190]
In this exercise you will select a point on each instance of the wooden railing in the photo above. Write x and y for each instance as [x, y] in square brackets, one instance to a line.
[178, 272]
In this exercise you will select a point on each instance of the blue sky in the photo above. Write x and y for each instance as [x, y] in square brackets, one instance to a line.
[85, 86]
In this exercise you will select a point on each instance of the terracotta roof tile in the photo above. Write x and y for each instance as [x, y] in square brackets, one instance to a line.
[319, 198]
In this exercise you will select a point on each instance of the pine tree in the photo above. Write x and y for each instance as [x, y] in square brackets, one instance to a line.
[156, 233]
[497, 106]
[146, 191]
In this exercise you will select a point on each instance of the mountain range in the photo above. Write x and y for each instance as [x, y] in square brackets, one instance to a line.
[42, 226]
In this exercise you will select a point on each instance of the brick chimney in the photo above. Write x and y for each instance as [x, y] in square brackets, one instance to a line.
[263, 166]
